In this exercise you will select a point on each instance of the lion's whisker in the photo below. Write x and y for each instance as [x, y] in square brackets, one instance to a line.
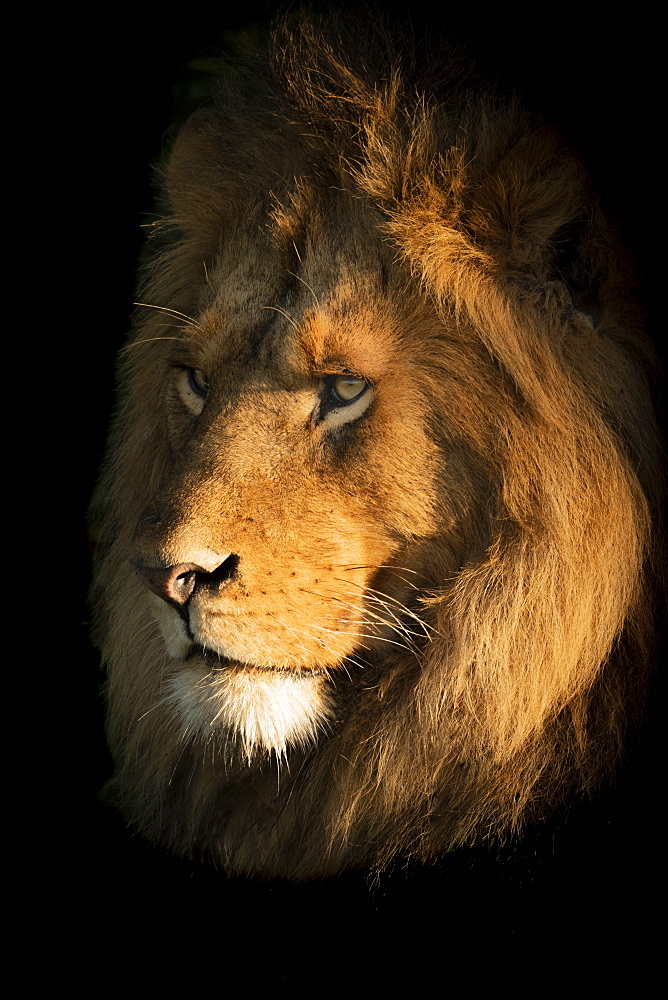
[391, 569]
[378, 621]
[299, 256]
[365, 612]
[304, 282]
[396, 625]
[184, 740]
[158, 704]
[147, 340]
[190, 320]
[319, 641]
[387, 597]
[402, 609]
[364, 635]
[294, 632]
[286, 315]
[386, 607]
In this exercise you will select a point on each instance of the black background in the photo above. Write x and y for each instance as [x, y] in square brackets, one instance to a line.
[574, 901]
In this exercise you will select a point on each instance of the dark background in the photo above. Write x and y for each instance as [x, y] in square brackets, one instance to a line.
[574, 900]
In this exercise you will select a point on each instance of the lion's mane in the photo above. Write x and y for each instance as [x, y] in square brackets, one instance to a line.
[530, 660]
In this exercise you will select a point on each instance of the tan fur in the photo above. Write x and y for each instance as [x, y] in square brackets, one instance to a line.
[439, 628]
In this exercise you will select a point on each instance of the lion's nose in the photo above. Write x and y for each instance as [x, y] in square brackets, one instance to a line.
[175, 584]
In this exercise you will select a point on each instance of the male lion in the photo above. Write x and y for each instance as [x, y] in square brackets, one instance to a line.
[374, 527]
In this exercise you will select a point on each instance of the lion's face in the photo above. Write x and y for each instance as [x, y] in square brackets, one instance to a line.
[293, 529]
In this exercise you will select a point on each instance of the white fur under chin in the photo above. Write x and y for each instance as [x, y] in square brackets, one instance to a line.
[267, 710]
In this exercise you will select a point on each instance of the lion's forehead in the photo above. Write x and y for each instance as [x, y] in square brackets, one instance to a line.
[339, 302]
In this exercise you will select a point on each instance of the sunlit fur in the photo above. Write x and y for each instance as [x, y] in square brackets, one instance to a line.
[439, 629]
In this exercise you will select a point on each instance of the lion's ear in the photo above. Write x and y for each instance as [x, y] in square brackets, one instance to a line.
[524, 205]
[195, 178]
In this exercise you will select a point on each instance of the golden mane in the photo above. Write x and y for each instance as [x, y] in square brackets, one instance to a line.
[518, 486]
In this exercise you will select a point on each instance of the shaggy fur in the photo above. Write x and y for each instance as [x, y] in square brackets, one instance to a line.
[437, 625]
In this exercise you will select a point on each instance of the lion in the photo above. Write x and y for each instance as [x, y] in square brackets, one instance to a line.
[375, 531]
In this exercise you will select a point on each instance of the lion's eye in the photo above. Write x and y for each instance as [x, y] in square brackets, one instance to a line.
[198, 381]
[344, 399]
[346, 388]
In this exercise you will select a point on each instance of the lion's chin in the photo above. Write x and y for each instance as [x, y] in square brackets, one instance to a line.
[264, 710]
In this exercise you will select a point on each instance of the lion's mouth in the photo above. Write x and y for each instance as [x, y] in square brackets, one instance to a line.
[218, 661]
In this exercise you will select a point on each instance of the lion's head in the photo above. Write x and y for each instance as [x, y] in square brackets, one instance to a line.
[374, 524]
